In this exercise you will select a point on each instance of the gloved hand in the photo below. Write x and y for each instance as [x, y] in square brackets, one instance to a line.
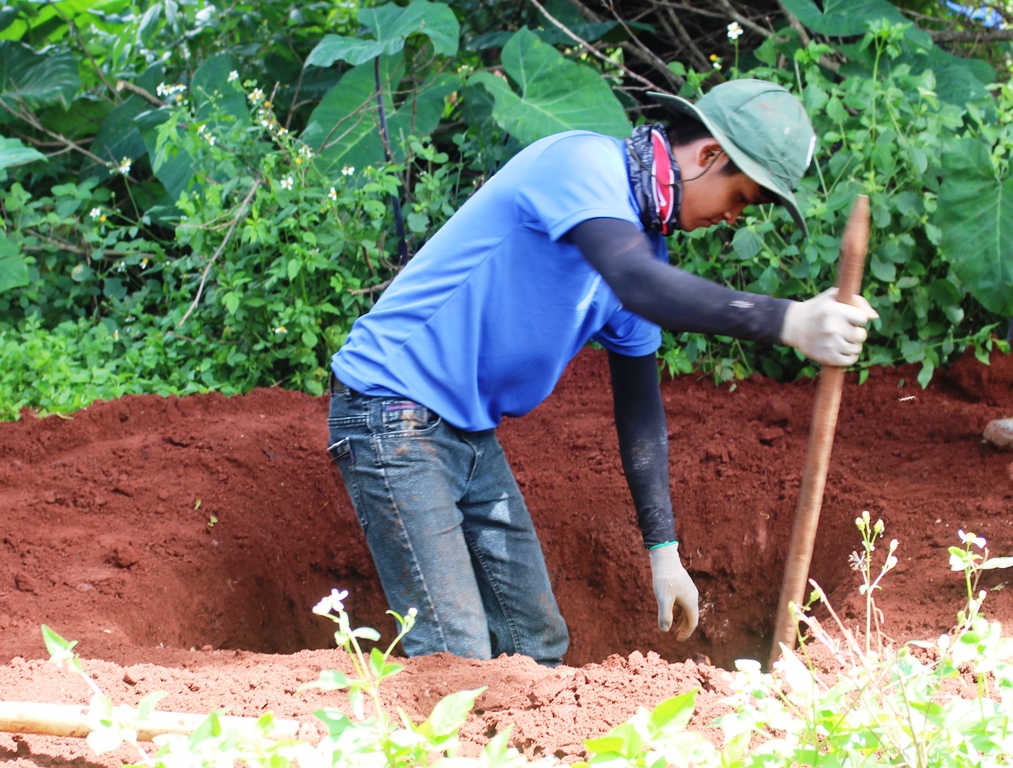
[674, 588]
[826, 330]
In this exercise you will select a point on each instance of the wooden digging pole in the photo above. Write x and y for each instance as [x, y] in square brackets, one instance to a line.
[821, 439]
[72, 720]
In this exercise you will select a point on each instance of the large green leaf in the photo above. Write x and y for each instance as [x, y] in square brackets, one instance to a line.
[391, 26]
[842, 18]
[13, 152]
[975, 215]
[343, 129]
[39, 79]
[13, 269]
[334, 48]
[556, 94]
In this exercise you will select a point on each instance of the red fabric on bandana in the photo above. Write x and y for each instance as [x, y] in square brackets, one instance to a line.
[663, 182]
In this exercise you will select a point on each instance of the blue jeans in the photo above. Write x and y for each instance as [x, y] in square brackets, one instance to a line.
[448, 530]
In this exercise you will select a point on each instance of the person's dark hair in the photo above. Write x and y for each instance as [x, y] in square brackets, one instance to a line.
[683, 130]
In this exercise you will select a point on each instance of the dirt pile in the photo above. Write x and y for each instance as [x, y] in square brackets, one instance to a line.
[183, 542]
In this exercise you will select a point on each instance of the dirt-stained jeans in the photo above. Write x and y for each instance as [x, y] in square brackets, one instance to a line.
[448, 530]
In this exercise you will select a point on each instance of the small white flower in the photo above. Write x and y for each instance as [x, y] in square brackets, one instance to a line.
[211, 140]
[116, 335]
[305, 151]
[333, 194]
[124, 166]
[144, 263]
[333, 602]
[233, 76]
[162, 90]
[734, 31]
[348, 170]
[287, 183]
[256, 96]
[970, 538]
[201, 128]
[281, 329]
[96, 212]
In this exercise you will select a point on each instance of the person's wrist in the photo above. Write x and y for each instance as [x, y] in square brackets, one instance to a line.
[792, 324]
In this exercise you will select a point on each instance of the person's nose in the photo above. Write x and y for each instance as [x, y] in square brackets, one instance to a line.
[732, 214]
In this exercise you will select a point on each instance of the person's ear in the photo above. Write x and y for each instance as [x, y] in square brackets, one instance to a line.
[708, 152]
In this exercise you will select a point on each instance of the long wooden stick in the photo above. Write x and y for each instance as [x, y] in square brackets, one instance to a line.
[71, 720]
[821, 439]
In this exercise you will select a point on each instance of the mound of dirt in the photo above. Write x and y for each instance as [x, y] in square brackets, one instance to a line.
[183, 542]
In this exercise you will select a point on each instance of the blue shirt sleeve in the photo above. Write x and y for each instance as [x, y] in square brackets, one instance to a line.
[579, 176]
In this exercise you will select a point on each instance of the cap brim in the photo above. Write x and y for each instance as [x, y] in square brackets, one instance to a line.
[779, 192]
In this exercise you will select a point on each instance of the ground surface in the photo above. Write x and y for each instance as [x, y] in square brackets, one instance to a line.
[184, 541]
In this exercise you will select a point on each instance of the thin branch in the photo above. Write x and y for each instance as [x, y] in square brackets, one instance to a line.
[80, 40]
[107, 253]
[29, 118]
[745, 22]
[795, 24]
[47, 144]
[124, 85]
[591, 49]
[218, 252]
[700, 61]
[371, 290]
[646, 52]
[980, 36]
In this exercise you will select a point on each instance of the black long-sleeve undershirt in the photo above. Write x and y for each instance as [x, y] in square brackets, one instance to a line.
[643, 443]
[667, 295]
[676, 300]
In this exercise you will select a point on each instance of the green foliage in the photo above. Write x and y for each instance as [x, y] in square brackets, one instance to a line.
[556, 94]
[841, 18]
[936, 272]
[219, 207]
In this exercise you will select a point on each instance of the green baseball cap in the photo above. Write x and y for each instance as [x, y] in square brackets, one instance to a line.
[762, 128]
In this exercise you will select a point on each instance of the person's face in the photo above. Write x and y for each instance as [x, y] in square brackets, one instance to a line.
[710, 196]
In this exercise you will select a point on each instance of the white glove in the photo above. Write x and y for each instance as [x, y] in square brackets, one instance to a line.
[674, 588]
[826, 330]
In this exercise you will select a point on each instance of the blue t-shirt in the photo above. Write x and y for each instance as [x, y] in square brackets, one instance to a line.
[482, 321]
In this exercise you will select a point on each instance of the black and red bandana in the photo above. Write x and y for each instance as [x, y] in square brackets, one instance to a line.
[654, 177]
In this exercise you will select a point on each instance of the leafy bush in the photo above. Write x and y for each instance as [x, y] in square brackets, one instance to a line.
[929, 167]
[223, 194]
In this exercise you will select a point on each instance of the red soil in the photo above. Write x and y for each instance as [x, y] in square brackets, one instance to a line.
[183, 542]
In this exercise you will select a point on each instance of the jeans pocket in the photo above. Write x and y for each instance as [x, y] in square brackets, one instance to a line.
[407, 416]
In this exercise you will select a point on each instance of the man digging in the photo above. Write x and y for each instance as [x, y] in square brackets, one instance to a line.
[564, 245]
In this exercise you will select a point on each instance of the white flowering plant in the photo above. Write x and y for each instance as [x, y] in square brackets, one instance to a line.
[945, 702]
[370, 739]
